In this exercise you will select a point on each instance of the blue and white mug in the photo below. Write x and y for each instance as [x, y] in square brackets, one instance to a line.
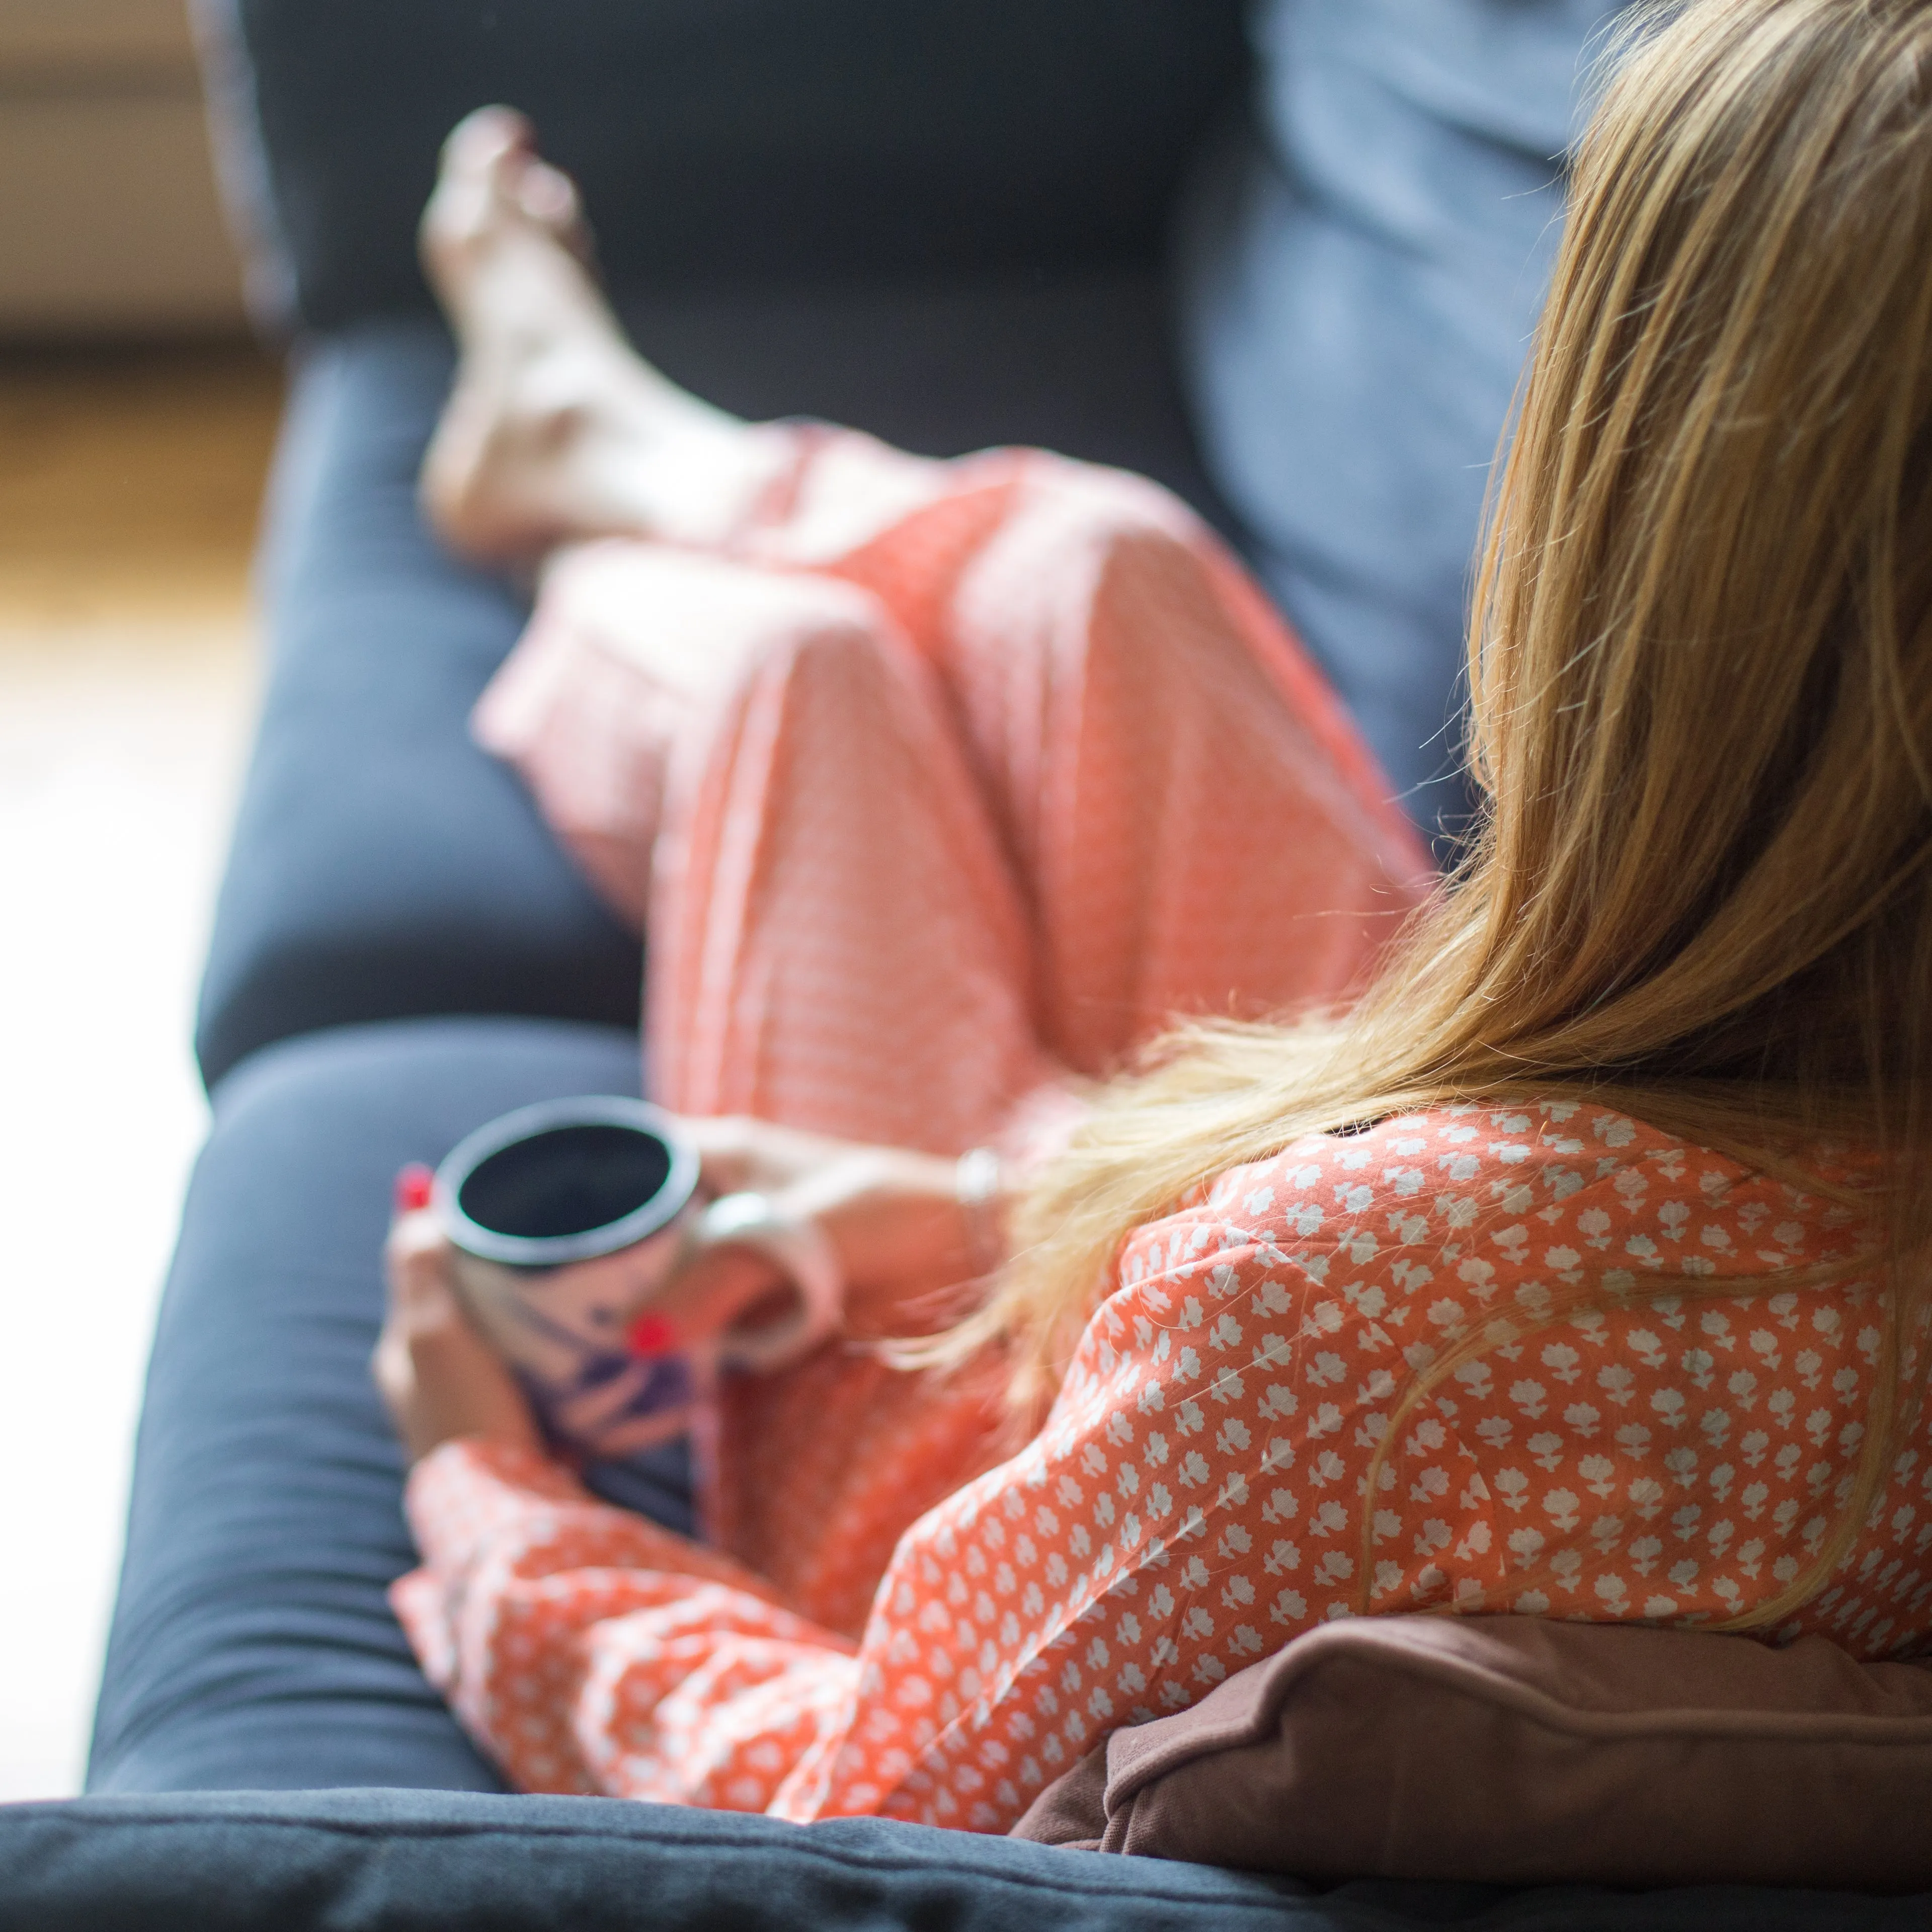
[566, 1218]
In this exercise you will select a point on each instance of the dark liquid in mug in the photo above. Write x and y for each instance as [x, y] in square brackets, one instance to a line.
[566, 1181]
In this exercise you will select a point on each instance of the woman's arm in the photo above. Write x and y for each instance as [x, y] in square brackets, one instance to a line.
[910, 1241]
[1194, 1500]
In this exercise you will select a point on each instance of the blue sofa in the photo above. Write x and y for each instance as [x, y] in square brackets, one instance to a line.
[953, 223]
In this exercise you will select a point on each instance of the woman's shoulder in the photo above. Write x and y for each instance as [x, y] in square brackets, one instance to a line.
[1465, 1201]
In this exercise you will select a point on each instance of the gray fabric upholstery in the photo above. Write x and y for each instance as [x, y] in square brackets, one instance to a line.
[431, 1862]
[1364, 268]
[721, 143]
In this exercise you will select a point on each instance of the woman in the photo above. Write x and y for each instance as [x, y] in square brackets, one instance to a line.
[1577, 1269]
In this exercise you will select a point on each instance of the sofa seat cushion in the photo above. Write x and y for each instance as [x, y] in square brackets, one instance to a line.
[1523, 1750]
[253, 1643]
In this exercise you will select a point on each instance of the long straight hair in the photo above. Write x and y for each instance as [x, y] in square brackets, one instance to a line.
[1701, 671]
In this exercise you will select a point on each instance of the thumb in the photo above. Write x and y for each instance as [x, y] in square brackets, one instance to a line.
[418, 1253]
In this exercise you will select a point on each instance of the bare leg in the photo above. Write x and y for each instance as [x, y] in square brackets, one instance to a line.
[556, 429]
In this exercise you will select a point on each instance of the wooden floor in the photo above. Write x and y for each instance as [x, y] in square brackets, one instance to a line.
[129, 483]
[129, 488]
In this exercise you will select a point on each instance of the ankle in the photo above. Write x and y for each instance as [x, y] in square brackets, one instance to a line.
[705, 478]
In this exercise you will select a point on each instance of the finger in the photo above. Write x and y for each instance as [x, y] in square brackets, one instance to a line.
[415, 1188]
[413, 1229]
[415, 1238]
[727, 1151]
[392, 1368]
[714, 1289]
[386, 1362]
[738, 1152]
[418, 1257]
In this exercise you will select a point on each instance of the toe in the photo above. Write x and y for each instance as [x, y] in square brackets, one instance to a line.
[486, 162]
[485, 138]
[548, 197]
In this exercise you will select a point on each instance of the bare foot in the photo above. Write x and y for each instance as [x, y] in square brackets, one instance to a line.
[556, 429]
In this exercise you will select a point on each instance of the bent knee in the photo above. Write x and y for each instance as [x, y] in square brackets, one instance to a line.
[1096, 570]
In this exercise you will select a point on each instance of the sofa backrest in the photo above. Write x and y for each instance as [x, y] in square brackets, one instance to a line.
[718, 141]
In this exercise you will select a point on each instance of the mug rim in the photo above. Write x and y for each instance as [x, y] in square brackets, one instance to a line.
[537, 1252]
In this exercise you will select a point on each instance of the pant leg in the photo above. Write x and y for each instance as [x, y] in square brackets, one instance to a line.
[837, 940]
[1194, 823]
[1189, 820]
[756, 758]
[838, 944]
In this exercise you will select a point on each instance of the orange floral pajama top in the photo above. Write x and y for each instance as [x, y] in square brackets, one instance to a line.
[1195, 1497]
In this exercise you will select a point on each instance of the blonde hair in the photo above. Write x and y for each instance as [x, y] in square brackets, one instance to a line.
[1701, 668]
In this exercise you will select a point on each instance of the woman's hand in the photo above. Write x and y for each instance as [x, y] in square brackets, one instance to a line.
[893, 1217]
[440, 1378]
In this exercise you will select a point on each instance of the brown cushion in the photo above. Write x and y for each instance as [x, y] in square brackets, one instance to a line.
[1519, 1751]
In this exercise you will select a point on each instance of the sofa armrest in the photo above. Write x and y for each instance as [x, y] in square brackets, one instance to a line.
[446, 1861]
[437, 1861]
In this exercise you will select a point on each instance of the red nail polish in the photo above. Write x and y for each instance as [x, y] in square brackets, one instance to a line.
[652, 1335]
[414, 1186]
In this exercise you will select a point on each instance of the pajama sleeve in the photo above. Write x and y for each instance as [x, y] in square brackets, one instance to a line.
[1194, 1500]
[1190, 1504]
[587, 1650]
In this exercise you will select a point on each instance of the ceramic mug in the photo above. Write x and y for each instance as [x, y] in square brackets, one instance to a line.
[565, 1219]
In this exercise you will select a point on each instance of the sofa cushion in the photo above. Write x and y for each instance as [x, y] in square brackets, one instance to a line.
[253, 1643]
[1524, 1751]
[731, 141]
[428, 1861]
